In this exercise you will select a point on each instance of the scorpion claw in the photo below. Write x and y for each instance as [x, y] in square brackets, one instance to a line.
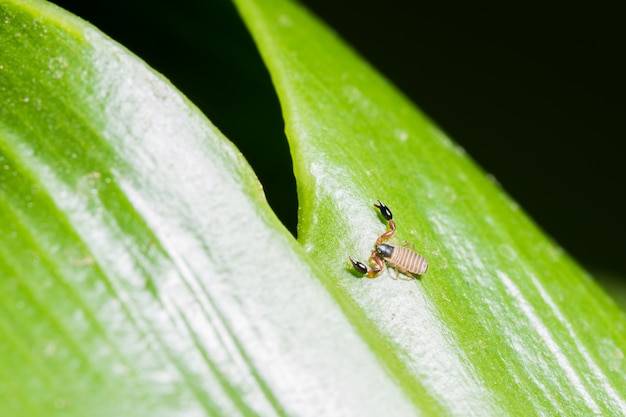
[384, 210]
[359, 266]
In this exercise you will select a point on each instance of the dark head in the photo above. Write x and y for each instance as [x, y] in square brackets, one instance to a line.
[384, 210]
[384, 250]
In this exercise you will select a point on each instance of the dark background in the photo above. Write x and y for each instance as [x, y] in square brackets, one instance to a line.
[533, 92]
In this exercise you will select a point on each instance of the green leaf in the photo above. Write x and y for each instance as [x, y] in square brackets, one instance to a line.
[142, 272]
[503, 323]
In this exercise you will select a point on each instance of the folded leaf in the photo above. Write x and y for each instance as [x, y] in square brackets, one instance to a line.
[142, 272]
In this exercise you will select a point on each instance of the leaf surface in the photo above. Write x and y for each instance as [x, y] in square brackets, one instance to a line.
[504, 322]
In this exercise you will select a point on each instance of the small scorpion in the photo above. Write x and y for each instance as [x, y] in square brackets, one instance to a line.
[402, 259]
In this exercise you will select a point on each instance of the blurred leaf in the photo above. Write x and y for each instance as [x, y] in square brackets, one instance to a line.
[504, 323]
[614, 285]
[141, 271]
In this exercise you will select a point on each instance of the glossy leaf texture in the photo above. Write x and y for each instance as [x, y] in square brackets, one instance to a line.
[142, 272]
[504, 322]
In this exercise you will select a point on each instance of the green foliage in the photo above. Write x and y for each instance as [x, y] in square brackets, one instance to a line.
[503, 322]
[143, 273]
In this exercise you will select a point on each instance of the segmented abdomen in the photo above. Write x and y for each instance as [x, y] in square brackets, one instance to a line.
[406, 260]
